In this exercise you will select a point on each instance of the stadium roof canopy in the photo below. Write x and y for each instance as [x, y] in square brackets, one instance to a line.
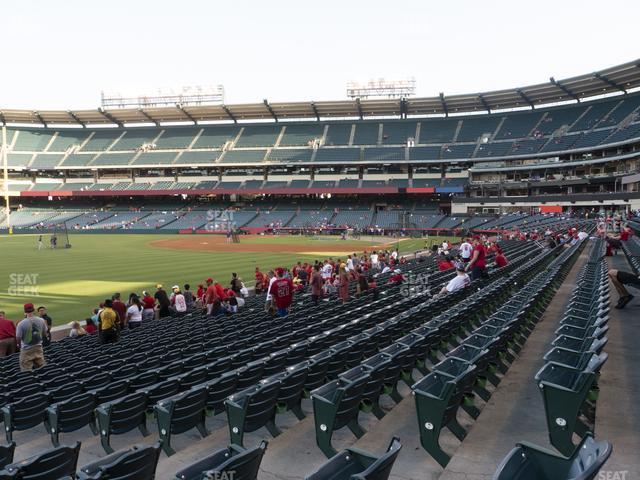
[618, 79]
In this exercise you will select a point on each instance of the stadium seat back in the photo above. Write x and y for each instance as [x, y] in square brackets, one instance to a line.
[137, 463]
[6, 454]
[56, 463]
[219, 389]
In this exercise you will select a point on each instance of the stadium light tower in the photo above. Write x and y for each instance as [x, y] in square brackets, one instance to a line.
[382, 87]
[5, 183]
[185, 96]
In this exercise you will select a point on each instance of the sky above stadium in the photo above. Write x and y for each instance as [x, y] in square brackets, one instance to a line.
[62, 54]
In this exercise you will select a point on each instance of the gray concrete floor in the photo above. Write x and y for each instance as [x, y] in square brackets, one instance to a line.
[513, 413]
[618, 414]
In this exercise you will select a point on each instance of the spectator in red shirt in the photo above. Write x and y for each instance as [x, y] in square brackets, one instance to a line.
[211, 298]
[148, 307]
[396, 277]
[90, 327]
[120, 308]
[478, 263]
[500, 259]
[625, 234]
[220, 291]
[445, 264]
[7, 336]
[282, 292]
[615, 241]
[259, 276]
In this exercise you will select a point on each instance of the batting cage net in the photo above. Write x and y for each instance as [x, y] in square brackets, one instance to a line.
[58, 237]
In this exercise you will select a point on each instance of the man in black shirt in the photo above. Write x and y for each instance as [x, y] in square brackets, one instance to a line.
[42, 313]
[163, 301]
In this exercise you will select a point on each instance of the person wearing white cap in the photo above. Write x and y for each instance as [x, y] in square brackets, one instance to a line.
[178, 302]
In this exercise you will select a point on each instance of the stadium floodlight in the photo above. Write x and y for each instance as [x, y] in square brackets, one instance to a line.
[186, 96]
[382, 87]
[4, 155]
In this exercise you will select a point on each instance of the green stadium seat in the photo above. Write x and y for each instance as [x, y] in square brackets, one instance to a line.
[96, 381]
[6, 454]
[57, 463]
[124, 372]
[218, 367]
[401, 363]
[190, 379]
[565, 392]
[161, 390]
[34, 140]
[438, 398]
[244, 156]
[101, 140]
[530, 462]
[68, 138]
[317, 374]
[216, 137]
[171, 370]
[250, 374]
[338, 133]
[338, 359]
[275, 363]
[219, 389]
[291, 391]
[65, 392]
[251, 409]
[576, 360]
[233, 461]
[71, 415]
[259, 136]
[179, 414]
[302, 134]
[136, 463]
[336, 405]
[121, 416]
[382, 373]
[155, 158]
[25, 413]
[353, 464]
[174, 138]
[366, 133]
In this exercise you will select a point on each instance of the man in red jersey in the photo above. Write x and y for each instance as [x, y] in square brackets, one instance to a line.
[282, 292]
[478, 263]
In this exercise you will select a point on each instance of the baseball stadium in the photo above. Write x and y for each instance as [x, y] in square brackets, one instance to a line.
[388, 285]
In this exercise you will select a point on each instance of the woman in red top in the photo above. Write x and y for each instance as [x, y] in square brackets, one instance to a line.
[478, 263]
[445, 264]
[148, 304]
[90, 327]
[501, 260]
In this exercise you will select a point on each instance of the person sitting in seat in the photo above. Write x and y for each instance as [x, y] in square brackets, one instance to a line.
[461, 280]
[500, 259]
[445, 264]
[76, 330]
[621, 278]
[614, 242]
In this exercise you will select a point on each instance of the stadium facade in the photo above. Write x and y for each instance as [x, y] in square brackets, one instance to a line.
[556, 146]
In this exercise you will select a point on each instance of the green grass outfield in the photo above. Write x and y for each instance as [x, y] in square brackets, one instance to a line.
[70, 282]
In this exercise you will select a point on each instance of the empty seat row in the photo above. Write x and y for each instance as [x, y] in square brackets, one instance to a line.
[140, 463]
[568, 379]
[481, 353]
